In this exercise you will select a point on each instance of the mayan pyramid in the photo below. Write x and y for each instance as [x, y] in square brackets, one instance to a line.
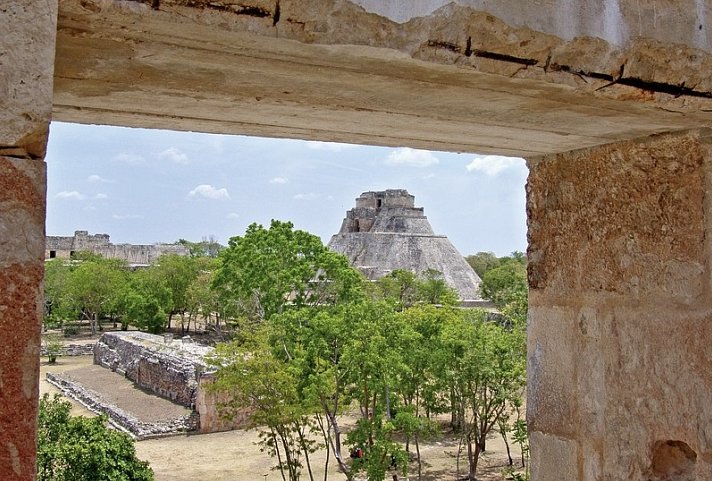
[385, 232]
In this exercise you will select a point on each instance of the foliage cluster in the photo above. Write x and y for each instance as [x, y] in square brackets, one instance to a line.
[83, 449]
[504, 282]
[315, 339]
[322, 340]
[91, 288]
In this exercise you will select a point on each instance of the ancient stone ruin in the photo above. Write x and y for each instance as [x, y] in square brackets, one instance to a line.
[63, 247]
[609, 101]
[172, 368]
[385, 232]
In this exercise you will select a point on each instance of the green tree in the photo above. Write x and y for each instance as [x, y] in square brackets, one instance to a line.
[312, 340]
[508, 289]
[207, 247]
[83, 449]
[258, 380]
[53, 346]
[432, 289]
[482, 262]
[483, 365]
[58, 305]
[176, 273]
[144, 311]
[398, 288]
[505, 283]
[203, 302]
[94, 285]
[374, 360]
[420, 389]
[403, 289]
[266, 269]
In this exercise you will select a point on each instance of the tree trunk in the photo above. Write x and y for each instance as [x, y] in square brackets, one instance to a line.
[417, 453]
[305, 450]
[506, 444]
[279, 456]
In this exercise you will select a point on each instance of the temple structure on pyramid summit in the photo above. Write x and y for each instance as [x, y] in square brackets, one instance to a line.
[385, 232]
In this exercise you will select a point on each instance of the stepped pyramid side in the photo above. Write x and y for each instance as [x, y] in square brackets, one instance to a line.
[385, 232]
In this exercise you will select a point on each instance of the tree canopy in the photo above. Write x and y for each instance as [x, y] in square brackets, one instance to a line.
[77, 448]
[267, 269]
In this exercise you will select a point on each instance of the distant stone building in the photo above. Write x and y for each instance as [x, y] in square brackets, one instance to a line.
[63, 247]
[385, 232]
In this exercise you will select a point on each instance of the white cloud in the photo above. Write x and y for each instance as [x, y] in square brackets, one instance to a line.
[492, 165]
[279, 180]
[411, 158]
[329, 146]
[232, 215]
[209, 192]
[101, 196]
[307, 196]
[89, 208]
[97, 179]
[130, 158]
[174, 155]
[126, 216]
[73, 195]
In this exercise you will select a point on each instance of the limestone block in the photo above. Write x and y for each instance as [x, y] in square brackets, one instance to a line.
[27, 37]
[624, 218]
[552, 393]
[656, 61]
[553, 458]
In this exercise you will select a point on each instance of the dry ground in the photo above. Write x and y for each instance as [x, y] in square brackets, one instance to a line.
[234, 455]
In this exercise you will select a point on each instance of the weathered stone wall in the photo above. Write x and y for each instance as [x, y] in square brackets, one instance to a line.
[470, 76]
[171, 368]
[62, 247]
[212, 418]
[386, 198]
[27, 45]
[620, 317]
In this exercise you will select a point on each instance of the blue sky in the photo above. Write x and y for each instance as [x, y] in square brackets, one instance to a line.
[145, 186]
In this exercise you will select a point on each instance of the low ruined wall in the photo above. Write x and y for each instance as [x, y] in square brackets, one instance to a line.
[72, 350]
[168, 369]
[173, 369]
[117, 416]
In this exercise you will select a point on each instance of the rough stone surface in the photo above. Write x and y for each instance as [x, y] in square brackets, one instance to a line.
[619, 311]
[385, 232]
[684, 22]
[27, 34]
[466, 77]
[22, 208]
[638, 212]
[62, 247]
[170, 368]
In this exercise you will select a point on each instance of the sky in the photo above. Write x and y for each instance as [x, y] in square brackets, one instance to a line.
[145, 186]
